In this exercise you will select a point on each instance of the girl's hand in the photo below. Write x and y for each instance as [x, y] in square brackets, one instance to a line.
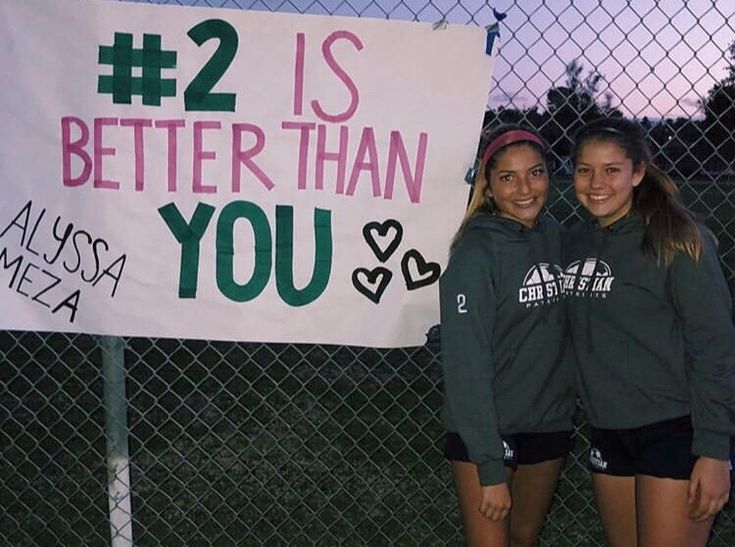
[496, 502]
[709, 488]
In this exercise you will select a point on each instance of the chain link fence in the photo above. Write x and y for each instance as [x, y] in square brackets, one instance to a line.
[286, 444]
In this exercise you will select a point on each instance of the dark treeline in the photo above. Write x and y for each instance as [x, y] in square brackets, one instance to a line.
[689, 148]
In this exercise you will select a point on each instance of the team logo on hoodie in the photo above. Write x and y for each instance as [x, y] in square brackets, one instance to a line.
[589, 277]
[596, 459]
[509, 454]
[541, 285]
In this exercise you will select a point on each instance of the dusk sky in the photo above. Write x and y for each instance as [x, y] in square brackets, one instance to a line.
[658, 57]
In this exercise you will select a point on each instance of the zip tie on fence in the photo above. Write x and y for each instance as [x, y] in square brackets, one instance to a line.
[493, 31]
[441, 24]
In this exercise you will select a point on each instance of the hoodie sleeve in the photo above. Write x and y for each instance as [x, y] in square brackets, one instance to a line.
[467, 316]
[704, 306]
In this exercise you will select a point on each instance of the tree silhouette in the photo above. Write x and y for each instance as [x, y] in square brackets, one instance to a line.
[719, 120]
[572, 105]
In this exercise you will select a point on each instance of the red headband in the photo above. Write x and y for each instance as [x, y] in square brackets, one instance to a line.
[509, 137]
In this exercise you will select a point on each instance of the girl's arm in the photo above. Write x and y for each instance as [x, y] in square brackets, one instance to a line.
[704, 308]
[467, 317]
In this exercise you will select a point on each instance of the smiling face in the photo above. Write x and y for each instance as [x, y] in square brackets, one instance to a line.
[519, 183]
[604, 178]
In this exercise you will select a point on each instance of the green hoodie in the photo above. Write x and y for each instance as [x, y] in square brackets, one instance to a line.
[503, 338]
[653, 342]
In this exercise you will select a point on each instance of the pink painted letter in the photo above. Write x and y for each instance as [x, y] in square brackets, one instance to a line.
[245, 156]
[199, 156]
[397, 151]
[77, 148]
[341, 74]
[100, 151]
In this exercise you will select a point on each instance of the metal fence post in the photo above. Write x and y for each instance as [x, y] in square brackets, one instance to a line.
[116, 430]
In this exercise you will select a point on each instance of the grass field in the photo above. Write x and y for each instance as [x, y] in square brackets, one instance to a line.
[236, 444]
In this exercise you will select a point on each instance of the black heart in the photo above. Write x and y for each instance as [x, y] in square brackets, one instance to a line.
[381, 229]
[373, 291]
[428, 272]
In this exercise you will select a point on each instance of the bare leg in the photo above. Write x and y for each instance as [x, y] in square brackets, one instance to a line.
[663, 514]
[532, 490]
[616, 502]
[478, 530]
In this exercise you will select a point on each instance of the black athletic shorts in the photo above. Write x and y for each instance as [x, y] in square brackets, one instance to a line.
[520, 448]
[662, 449]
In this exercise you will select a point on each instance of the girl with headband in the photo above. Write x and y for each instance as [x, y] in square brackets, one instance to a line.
[507, 381]
[651, 319]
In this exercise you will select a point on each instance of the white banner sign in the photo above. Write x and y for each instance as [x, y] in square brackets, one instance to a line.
[231, 175]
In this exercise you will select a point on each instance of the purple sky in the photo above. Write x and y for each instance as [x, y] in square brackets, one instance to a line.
[658, 57]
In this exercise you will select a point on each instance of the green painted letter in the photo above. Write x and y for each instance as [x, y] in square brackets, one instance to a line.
[189, 235]
[226, 251]
[284, 256]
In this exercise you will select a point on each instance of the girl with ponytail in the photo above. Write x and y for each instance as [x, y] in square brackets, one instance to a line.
[651, 320]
